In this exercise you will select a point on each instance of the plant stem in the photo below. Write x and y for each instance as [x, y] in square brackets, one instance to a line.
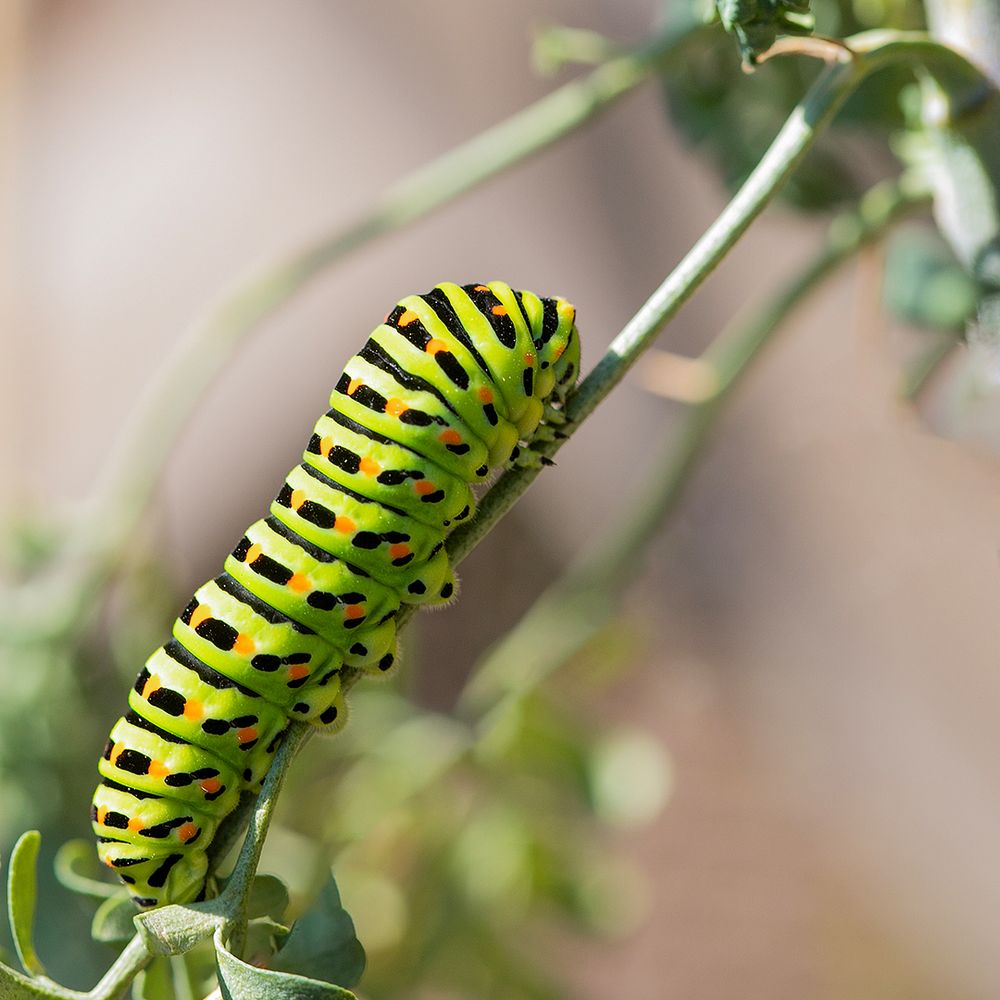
[793, 141]
[873, 51]
[233, 901]
[132, 960]
[586, 599]
[131, 474]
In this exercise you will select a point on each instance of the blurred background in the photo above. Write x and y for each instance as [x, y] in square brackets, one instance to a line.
[774, 777]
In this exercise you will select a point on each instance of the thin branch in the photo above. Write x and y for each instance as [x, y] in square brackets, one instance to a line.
[575, 608]
[873, 50]
[131, 474]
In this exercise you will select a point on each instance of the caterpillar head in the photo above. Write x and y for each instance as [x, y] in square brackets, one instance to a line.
[558, 343]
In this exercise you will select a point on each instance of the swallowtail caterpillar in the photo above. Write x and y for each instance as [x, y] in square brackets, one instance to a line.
[449, 387]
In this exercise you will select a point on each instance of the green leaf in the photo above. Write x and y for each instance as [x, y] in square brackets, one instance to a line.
[239, 981]
[924, 284]
[77, 868]
[173, 930]
[263, 939]
[156, 982]
[114, 920]
[323, 944]
[21, 891]
[268, 898]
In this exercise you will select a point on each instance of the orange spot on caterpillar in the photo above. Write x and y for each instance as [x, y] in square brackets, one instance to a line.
[481, 288]
[135, 825]
[299, 582]
[395, 407]
[407, 318]
[424, 486]
[499, 310]
[101, 813]
[369, 467]
[158, 769]
[152, 684]
[247, 735]
[186, 831]
[435, 346]
[210, 785]
[193, 709]
[450, 437]
[345, 525]
[399, 550]
[244, 645]
[529, 359]
[353, 386]
[325, 446]
[297, 671]
[255, 550]
[354, 611]
[559, 351]
[116, 752]
[485, 396]
[298, 498]
[110, 862]
[200, 614]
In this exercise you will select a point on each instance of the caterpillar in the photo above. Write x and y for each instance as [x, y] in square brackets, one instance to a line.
[451, 385]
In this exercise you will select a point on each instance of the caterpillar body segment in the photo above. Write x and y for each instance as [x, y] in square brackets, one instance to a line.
[449, 387]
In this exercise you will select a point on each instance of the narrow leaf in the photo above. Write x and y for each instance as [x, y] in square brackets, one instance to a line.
[114, 920]
[239, 981]
[21, 891]
[156, 982]
[323, 944]
[76, 866]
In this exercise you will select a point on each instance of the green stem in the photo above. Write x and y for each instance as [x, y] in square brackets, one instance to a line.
[791, 144]
[580, 604]
[132, 474]
[233, 900]
[132, 960]
[873, 51]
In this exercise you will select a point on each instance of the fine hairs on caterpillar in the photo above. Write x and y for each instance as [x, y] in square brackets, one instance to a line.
[451, 385]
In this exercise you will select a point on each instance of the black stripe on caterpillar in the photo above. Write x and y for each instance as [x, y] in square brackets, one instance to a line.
[443, 391]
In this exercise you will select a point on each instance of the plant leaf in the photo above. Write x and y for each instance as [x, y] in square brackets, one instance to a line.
[156, 982]
[239, 981]
[21, 892]
[323, 944]
[76, 867]
[268, 898]
[114, 920]
[173, 930]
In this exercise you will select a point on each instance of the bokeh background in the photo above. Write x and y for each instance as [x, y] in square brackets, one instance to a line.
[812, 650]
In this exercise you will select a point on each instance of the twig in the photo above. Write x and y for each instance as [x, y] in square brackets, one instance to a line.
[584, 600]
[131, 474]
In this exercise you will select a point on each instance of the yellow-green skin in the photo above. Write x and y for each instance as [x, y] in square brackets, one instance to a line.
[443, 391]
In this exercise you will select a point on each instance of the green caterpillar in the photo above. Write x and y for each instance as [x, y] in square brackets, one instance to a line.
[447, 388]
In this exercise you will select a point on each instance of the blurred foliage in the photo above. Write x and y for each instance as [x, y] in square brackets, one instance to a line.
[731, 118]
[924, 284]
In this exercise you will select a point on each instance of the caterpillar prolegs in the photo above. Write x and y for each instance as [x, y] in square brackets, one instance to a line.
[448, 387]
